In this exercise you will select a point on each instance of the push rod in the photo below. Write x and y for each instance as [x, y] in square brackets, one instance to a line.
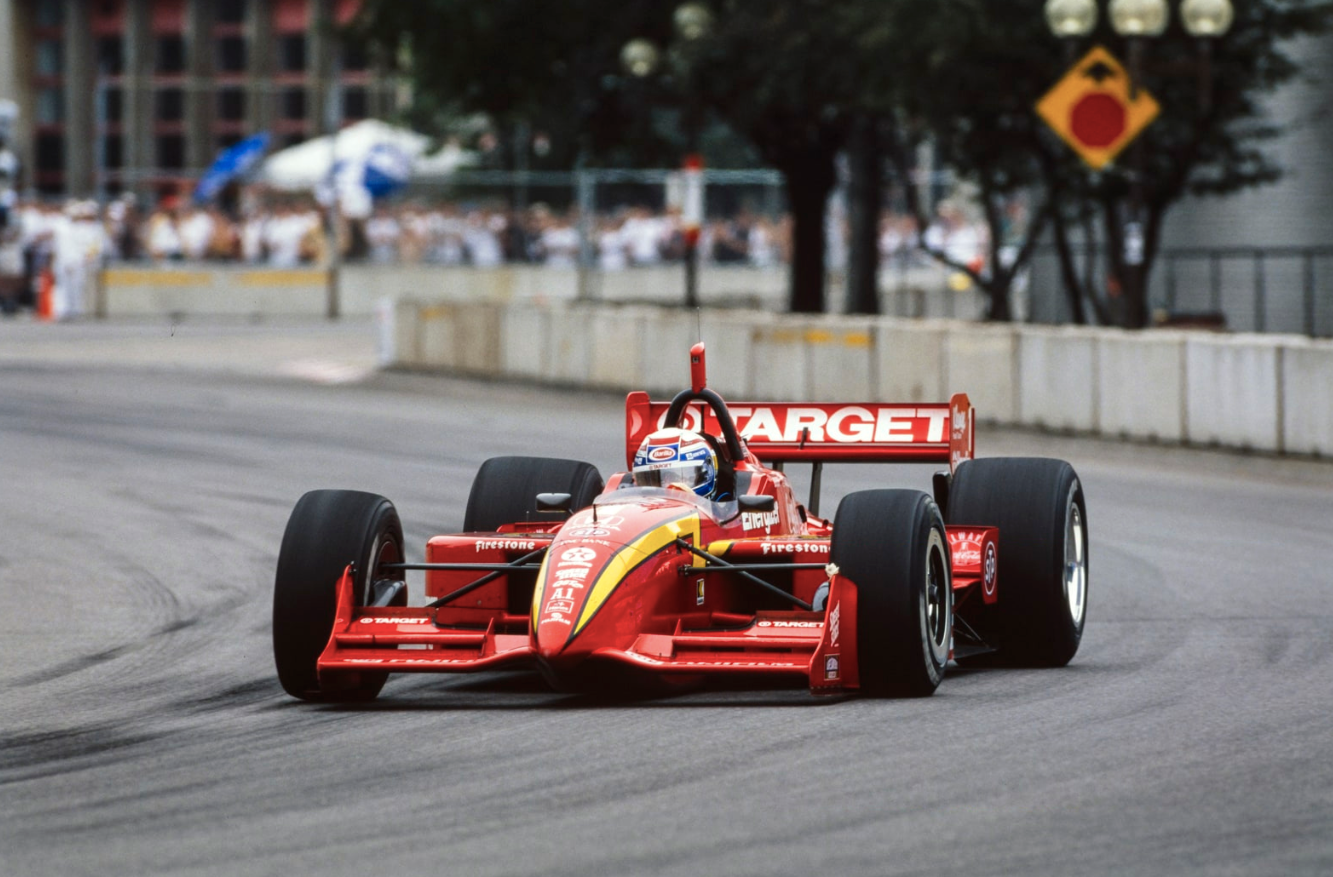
[722, 564]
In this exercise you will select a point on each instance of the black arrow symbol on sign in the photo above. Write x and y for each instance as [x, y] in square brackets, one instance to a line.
[1099, 70]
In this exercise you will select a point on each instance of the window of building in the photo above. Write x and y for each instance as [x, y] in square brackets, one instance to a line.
[231, 54]
[171, 54]
[231, 105]
[113, 152]
[170, 105]
[49, 13]
[356, 103]
[50, 106]
[293, 103]
[50, 58]
[110, 56]
[293, 139]
[291, 53]
[355, 58]
[225, 141]
[230, 11]
[114, 104]
[171, 152]
[50, 152]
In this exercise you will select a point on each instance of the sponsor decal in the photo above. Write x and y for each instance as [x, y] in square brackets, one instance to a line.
[699, 592]
[847, 424]
[565, 606]
[798, 624]
[657, 455]
[557, 618]
[959, 425]
[988, 570]
[832, 668]
[505, 545]
[601, 542]
[758, 520]
[796, 547]
[835, 624]
[578, 556]
[576, 573]
[966, 548]
[395, 621]
[583, 532]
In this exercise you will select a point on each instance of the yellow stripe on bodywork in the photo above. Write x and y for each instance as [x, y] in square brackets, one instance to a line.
[720, 547]
[635, 553]
[538, 591]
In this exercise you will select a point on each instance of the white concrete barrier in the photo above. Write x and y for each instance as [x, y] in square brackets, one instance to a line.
[910, 360]
[664, 329]
[1269, 393]
[1231, 395]
[569, 349]
[981, 360]
[524, 338]
[1141, 385]
[1057, 378]
[617, 337]
[780, 368]
[840, 355]
[210, 291]
[729, 338]
[1307, 397]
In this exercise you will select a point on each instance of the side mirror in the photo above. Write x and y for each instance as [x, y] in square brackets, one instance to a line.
[554, 502]
[758, 503]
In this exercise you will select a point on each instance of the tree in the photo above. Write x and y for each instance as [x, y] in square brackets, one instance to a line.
[967, 81]
[782, 73]
[551, 66]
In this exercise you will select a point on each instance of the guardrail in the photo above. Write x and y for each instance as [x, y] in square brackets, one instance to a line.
[1245, 391]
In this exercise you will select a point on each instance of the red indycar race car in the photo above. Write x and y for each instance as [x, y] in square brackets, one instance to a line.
[698, 561]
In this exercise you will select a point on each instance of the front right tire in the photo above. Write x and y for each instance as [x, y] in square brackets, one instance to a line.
[327, 530]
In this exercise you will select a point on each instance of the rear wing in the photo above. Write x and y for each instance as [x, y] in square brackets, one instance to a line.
[865, 432]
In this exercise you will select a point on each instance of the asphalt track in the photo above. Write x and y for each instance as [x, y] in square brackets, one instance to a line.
[146, 473]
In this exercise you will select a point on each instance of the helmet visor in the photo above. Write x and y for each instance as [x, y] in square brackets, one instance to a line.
[688, 475]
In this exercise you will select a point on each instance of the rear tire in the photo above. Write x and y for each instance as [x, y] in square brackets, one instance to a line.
[1043, 555]
[328, 530]
[505, 490]
[892, 545]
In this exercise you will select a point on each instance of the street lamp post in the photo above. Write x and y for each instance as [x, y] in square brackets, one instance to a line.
[1137, 21]
[640, 58]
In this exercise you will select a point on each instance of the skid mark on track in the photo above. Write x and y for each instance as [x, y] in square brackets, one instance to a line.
[243, 694]
[86, 662]
[74, 665]
[46, 753]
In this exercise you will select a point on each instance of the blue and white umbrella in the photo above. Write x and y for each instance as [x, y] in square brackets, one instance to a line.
[234, 161]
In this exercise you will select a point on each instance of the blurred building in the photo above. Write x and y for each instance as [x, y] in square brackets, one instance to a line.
[140, 95]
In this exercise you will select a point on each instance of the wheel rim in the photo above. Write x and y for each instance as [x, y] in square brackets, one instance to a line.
[385, 550]
[937, 602]
[1076, 561]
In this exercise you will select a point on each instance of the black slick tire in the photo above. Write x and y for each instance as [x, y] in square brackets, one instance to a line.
[1042, 577]
[327, 530]
[893, 546]
[505, 490]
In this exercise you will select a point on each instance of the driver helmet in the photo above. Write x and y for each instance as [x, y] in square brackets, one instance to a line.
[676, 458]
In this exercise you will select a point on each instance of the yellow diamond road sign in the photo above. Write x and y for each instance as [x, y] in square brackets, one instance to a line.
[1091, 109]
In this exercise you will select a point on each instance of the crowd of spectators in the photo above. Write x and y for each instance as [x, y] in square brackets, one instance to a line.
[284, 232]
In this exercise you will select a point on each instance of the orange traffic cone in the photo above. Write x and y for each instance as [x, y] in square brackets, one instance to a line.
[46, 294]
